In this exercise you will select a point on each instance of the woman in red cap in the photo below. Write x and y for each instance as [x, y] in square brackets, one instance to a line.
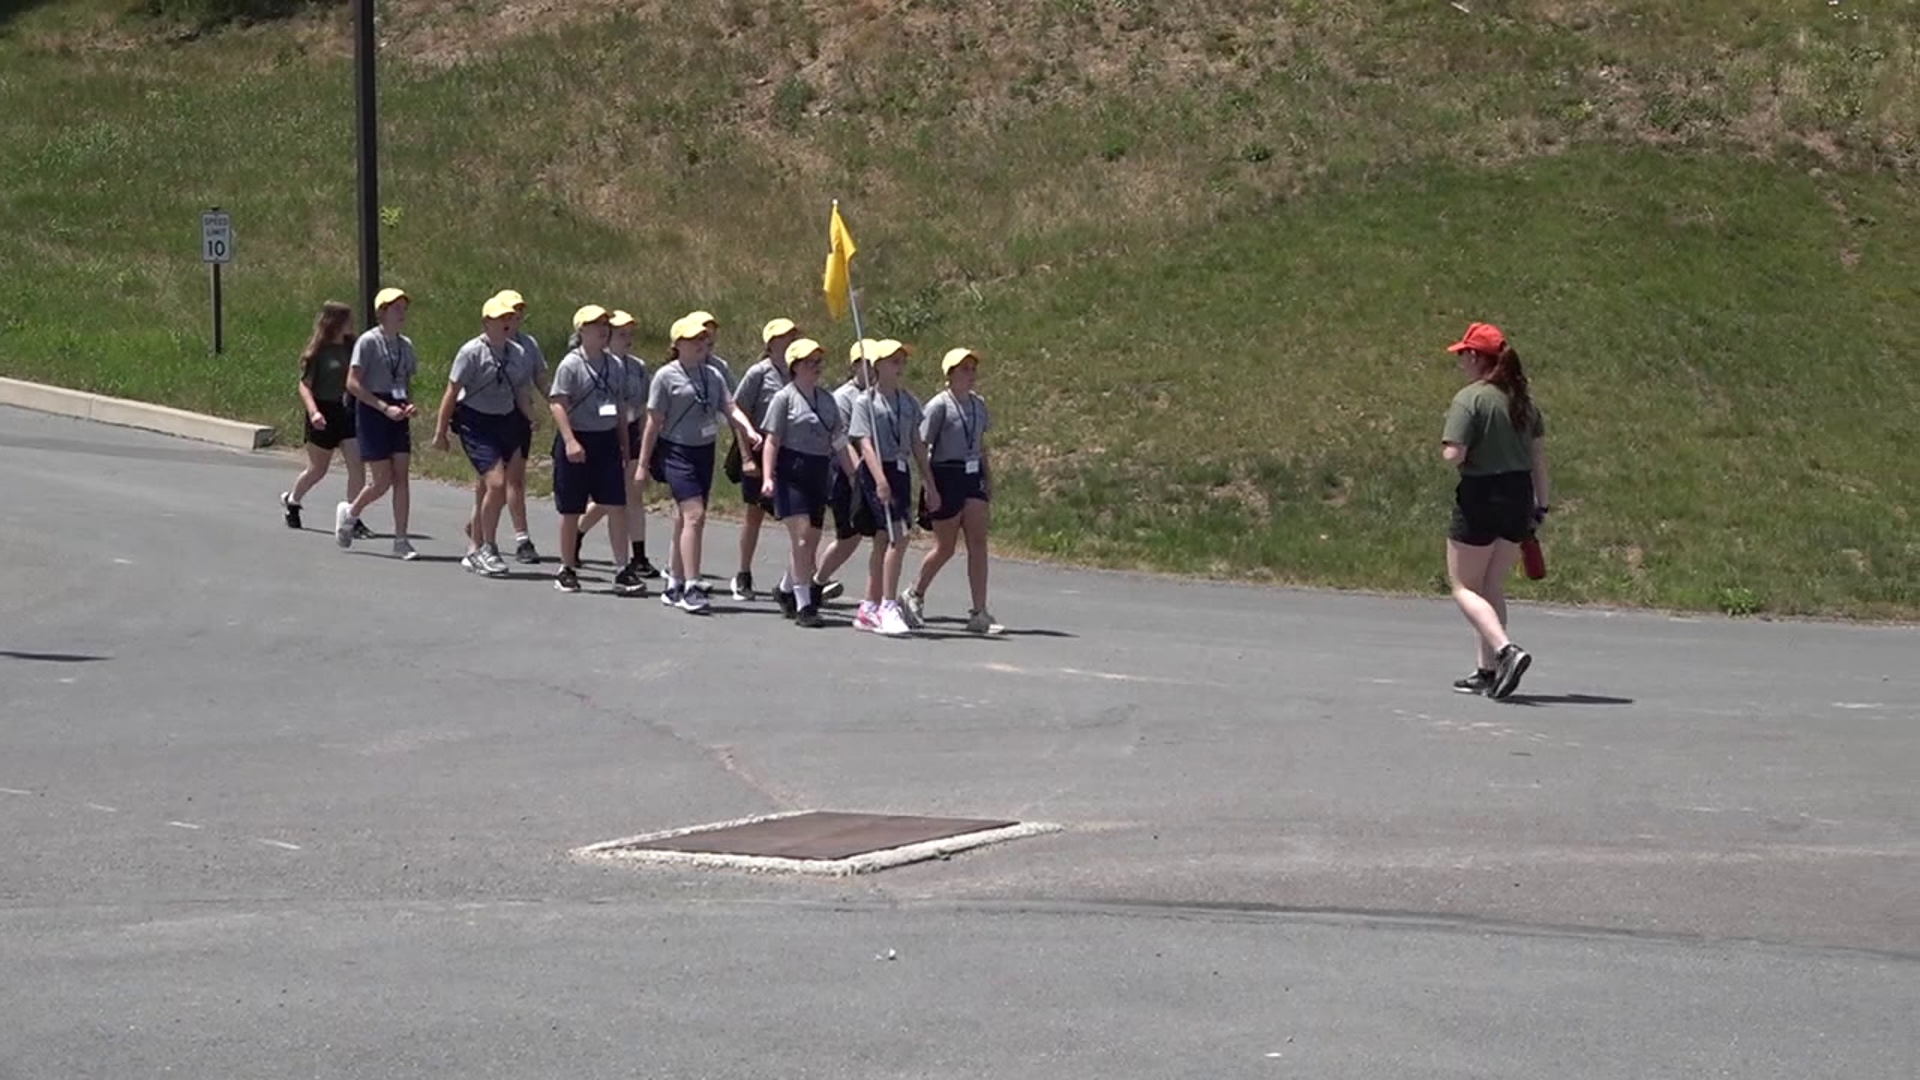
[1494, 436]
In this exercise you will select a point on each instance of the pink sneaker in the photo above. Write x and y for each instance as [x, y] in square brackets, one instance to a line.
[867, 618]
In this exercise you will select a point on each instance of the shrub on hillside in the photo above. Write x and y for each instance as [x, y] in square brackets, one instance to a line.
[207, 14]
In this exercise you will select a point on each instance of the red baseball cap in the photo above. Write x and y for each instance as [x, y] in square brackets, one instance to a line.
[1481, 338]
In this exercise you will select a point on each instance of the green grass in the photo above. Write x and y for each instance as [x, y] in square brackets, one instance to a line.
[1211, 249]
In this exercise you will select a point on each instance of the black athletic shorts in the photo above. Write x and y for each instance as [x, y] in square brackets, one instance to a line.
[1489, 508]
[340, 426]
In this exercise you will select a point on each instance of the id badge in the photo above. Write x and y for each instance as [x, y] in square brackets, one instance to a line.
[609, 409]
[973, 466]
[399, 393]
[901, 464]
[708, 431]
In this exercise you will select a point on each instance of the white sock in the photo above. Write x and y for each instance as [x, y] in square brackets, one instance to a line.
[786, 580]
[520, 537]
[802, 595]
[672, 582]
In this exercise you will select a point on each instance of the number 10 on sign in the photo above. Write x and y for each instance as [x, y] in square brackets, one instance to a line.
[216, 249]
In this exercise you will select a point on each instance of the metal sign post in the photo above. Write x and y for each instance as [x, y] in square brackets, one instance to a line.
[216, 250]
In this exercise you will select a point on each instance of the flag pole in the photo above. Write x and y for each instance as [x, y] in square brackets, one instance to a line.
[866, 368]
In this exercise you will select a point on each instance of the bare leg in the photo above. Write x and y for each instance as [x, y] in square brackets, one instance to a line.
[570, 540]
[835, 557]
[750, 536]
[517, 492]
[806, 542]
[477, 517]
[676, 523]
[595, 512]
[1466, 564]
[617, 534]
[877, 572]
[693, 526]
[382, 480]
[896, 559]
[946, 534]
[973, 519]
[356, 469]
[402, 494]
[1494, 589]
[317, 462]
[493, 498]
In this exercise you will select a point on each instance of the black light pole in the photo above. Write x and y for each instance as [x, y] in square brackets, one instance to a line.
[363, 45]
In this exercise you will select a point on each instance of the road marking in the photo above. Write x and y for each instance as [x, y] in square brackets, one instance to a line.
[13, 791]
[278, 843]
[1858, 705]
[1109, 676]
[183, 825]
[102, 809]
[1704, 809]
[123, 562]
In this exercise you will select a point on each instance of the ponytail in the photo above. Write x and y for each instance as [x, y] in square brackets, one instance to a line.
[1508, 375]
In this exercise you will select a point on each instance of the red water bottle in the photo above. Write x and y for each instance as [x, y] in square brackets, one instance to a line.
[1533, 558]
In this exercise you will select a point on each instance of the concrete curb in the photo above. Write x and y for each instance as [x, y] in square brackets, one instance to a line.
[121, 412]
[868, 863]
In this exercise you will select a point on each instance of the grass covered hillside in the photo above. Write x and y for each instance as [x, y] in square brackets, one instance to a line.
[1212, 249]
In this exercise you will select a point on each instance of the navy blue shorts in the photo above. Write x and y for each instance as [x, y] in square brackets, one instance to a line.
[599, 478]
[489, 439]
[686, 470]
[381, 438]
[802, 486]
[523, 435]
[956, 485]
[871, 516]
[840, 500]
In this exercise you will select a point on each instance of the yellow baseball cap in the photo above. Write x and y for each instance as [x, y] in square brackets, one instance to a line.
[704, 318]
[862, 348]
[387, 296]
[956, 357]
[619, 319]
[886, 348]
[512, 298]
[498, 307]
[688, 328]
[804, 349]
[777, 327]
[592, 313]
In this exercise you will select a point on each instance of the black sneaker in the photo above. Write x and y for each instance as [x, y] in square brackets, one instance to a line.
[290, 509]
[645, 568]
[789, 607]
[743, 585]
[627, 582]
[525, 553]
[809, 617]
[1514, 662]
[566, 580]
[360, 530]
[829, 591]
[1477, 683]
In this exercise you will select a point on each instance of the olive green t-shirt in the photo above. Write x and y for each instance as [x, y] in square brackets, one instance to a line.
[1478, 421]
[326, 374]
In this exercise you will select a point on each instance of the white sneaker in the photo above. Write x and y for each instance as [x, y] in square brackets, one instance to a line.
[915, 607]
[404, 550]
[471, 563]
[491, 564]
[892, 622]
[980, 622]
[867, 618]
[343, 525]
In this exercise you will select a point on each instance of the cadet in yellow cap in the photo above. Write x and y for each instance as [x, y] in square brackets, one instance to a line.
[524, 551]
[886, 430]
[686, 404]
[714, 360]
[955, 425]
[804, 431]
[633, 408]
[842, 497]
[756, 390]
[378, 378]
[587, 461]
[488, 400]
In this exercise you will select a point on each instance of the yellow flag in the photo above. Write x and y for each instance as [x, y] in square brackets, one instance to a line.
[838, 279]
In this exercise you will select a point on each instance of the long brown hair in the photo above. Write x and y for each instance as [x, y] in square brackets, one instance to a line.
[1509, 376]
[327, 329]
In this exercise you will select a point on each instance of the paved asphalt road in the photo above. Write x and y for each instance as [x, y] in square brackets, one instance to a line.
[268, 809]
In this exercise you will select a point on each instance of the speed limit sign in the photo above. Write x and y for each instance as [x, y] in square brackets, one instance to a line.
[216, 238]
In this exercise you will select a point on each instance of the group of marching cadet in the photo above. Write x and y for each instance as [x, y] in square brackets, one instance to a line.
[802, 450]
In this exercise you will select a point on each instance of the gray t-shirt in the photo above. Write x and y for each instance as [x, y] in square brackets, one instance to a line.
[633, 385]
[386, 366]
[537, 358]
[691, 413]
[805, 425]
[756, 390]
[490, 382]
[891, 421]
[954, 429]
[844, 396]
[592, 390]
